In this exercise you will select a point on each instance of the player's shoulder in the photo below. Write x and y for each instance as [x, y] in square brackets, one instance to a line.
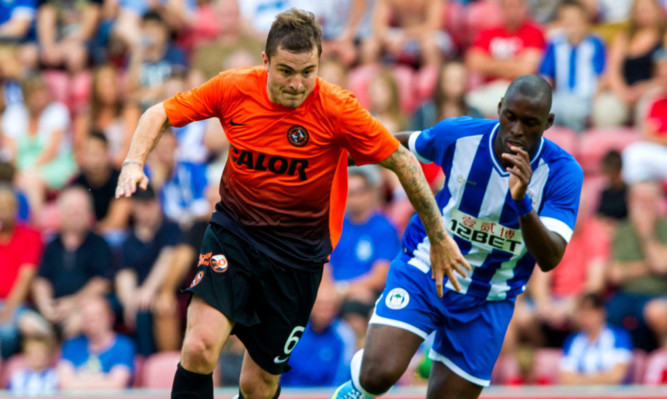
[557, 158]
[333, 97]
[244, 77]
[465, 126]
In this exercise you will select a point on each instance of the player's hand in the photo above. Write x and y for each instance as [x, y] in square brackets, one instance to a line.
[131, 176]
[520, 172]
[445, 259]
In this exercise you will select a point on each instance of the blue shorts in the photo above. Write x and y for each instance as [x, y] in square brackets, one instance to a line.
[469, 331]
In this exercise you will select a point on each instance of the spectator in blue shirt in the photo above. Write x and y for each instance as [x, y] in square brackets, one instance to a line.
[16, 17]
[324, 352]
[99, 358]
[573, 63]
[367, 246]
[598, 353]
[181, 183]
[147, 253]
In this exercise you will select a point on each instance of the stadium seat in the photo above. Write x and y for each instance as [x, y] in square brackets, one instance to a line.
[546, 365]
[656, 368]
[566, 138]
[595, 143]
[10, 366]
[159, 369]
[637, 367]
[139, 361]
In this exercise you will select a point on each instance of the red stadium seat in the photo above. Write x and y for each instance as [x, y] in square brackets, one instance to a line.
[595, 143]
[159, 369]
[139, 361]
[546, 365]
[13, 364]
[656, 368]
[637, 367]
[566, 138]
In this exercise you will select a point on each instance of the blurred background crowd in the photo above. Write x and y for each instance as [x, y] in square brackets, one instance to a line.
[90, 285]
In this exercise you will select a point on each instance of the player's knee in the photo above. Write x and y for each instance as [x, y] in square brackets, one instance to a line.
[198, 354]
[256, 387]
[377, 377]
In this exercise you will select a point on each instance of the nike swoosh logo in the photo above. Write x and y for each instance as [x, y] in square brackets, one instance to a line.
[279, 360]
[231, 122]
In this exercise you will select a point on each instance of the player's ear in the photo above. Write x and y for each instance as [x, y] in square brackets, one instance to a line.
[265, 60]
[500, 105]
[550, 121]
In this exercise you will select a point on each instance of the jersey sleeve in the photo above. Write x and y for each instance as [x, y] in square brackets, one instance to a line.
[622, 352]
[561, 201]
[200, 103]
[548, 66]
[367, 140]
[599, 56]
[568, 362]
[431, 145]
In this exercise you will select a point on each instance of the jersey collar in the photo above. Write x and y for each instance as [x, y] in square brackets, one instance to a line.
[496, 162]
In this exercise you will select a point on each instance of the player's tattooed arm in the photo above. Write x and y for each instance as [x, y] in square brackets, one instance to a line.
[151, 125]
[445, 254]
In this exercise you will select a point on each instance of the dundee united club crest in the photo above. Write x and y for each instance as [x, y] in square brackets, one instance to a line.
[297, 135]
[219, 263]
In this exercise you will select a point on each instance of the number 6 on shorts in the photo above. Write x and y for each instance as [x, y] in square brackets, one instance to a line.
[292, 340]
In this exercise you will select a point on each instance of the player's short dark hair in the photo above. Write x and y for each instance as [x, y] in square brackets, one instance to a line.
[7, 172]
[572, 3]
[153, 16]
[296, 31]
[99, 136]
[592, 300]
[612, 160]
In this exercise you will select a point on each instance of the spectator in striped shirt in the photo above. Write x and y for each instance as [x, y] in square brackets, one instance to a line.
[598, 353]
[573, 63]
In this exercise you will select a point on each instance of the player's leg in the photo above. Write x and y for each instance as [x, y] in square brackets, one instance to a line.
[221, 299]
[206, 332]
[467, 345]
[256, 382]
[402, 319]
[445, 384]
[377, 367]
[283, 307]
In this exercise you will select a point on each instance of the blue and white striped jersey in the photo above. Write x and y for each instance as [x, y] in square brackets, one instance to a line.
[574, 69]
[475, 204]
[612, 346]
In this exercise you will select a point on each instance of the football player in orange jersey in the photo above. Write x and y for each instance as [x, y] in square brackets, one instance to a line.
[282, 201]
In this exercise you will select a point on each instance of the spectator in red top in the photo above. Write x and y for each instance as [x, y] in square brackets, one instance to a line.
[647, 159]
[20, 250]
[504, 53]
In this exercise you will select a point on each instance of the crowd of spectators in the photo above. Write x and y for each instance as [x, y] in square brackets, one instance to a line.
[89, 283]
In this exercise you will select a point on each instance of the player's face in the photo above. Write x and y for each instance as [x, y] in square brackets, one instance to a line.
[523, 120]
[291, 76]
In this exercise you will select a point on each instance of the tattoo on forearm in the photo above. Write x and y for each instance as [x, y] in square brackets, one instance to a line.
[418, 191]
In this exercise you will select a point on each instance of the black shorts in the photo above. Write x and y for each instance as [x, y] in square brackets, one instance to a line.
[270, 302]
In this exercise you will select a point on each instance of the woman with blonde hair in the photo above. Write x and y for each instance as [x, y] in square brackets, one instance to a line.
[629, 72]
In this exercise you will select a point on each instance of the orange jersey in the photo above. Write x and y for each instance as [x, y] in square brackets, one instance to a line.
[285, 183]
